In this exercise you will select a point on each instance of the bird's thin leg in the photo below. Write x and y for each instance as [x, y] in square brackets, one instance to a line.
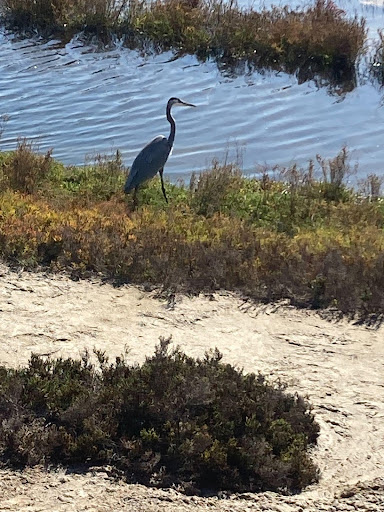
[162, 184]
[135, 198]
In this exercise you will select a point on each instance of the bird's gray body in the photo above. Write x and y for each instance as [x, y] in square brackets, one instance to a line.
[148, 162]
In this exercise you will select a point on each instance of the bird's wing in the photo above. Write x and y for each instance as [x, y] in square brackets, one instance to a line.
[148, 162]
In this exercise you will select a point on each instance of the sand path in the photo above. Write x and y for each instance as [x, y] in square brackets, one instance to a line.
[339, 365]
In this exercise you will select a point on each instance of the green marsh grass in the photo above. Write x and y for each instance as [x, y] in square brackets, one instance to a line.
[313, 241]
[315, 39]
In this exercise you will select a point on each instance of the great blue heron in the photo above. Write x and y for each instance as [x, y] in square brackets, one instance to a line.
[153, 156]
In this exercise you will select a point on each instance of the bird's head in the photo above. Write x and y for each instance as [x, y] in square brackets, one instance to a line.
[177, 102]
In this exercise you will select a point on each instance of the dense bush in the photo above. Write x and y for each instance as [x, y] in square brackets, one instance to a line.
[313, 241]
[317, 38]
[25, 170]
[201, 424]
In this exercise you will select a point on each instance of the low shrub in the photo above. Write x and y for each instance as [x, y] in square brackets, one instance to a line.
[24, 169]
[197, 423]
[210, 189]
[101, 178]
[59, 16]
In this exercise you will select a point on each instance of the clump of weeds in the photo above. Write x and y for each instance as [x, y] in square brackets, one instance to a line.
[196, 423]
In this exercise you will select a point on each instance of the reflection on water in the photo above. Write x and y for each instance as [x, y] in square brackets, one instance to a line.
[80, 100]
[337, 81]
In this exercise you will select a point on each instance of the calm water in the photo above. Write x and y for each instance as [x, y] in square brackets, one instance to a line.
[80, 101]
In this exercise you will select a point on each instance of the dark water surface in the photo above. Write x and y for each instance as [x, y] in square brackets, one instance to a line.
[79, 100]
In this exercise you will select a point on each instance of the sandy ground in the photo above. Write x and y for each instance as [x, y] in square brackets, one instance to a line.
[338, 365]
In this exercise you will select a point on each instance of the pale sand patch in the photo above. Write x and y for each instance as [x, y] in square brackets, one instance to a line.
[340, 366]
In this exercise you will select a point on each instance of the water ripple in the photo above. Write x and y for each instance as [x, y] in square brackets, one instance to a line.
[79, 101]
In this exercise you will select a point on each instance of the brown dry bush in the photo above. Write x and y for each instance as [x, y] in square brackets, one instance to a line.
[210, 188]
[335, 172]
[371, 186]
[25, 169]
[49, 16]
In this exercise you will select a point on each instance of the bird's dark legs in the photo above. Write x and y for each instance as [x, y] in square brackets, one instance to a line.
[135, 198]
[162, 184]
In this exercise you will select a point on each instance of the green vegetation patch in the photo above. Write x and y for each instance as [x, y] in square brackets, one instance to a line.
[317, 38]
[197, 423]
[313, 241]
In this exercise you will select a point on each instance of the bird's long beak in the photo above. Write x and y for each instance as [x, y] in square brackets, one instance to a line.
[185, 104]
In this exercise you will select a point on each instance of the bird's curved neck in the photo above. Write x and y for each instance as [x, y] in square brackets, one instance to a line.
[171, 137]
